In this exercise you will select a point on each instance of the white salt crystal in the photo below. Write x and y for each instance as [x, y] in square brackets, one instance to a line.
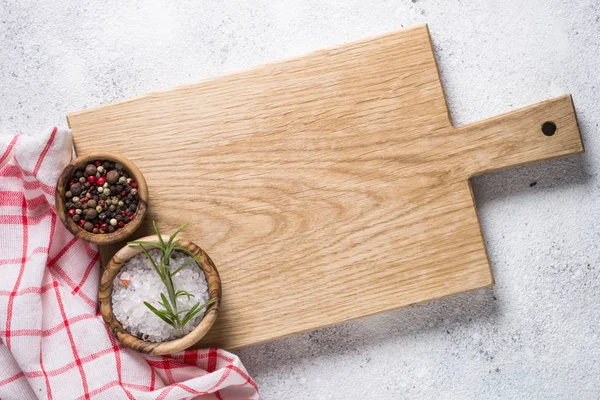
[138, 282]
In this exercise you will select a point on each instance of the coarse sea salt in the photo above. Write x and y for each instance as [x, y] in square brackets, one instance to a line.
[138, 282]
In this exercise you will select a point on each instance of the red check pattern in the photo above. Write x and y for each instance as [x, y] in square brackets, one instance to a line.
[53, 342]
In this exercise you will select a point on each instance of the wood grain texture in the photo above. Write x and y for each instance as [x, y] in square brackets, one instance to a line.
[173, 346]
[103, 238]
[326, 187]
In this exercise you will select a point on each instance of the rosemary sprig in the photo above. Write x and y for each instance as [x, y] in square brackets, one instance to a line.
[169, 312]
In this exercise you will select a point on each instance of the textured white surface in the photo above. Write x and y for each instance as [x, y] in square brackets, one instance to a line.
[535, 335]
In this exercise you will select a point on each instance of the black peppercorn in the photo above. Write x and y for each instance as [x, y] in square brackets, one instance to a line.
[111, 228]
[102, 216]
[78, 174]
[78, 205]
[119, 217]
[70, 205]
[106, 165]
[76, 218]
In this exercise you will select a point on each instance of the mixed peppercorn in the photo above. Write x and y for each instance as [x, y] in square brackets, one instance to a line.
[101, 197]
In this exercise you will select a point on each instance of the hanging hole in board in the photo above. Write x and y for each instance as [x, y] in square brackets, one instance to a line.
[548, 128]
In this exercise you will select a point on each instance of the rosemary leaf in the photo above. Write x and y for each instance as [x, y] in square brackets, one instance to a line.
[184, 293]
[165, 304]
[160, 239]
[151, 260]
[185, 264]
[190, 314]
[176, 233]
[189, 253]
[194, 311]
[144, 243]
[159, 314]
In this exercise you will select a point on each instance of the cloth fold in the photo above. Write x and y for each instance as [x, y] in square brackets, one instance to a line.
[53, 342]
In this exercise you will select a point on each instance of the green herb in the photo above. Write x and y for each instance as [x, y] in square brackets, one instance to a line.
[169, 312]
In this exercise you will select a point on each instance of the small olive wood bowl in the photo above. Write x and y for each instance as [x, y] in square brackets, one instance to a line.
[101, 238]
[172, 346]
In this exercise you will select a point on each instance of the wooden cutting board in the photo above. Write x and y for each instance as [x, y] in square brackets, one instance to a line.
[327, 187]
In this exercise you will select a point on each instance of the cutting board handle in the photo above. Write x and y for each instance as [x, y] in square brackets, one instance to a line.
[539, 132]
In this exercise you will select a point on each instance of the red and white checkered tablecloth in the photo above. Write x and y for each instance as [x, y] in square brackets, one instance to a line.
[53, 342]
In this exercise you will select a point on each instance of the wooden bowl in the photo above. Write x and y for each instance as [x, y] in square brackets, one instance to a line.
[101, 238]
[172, 346]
